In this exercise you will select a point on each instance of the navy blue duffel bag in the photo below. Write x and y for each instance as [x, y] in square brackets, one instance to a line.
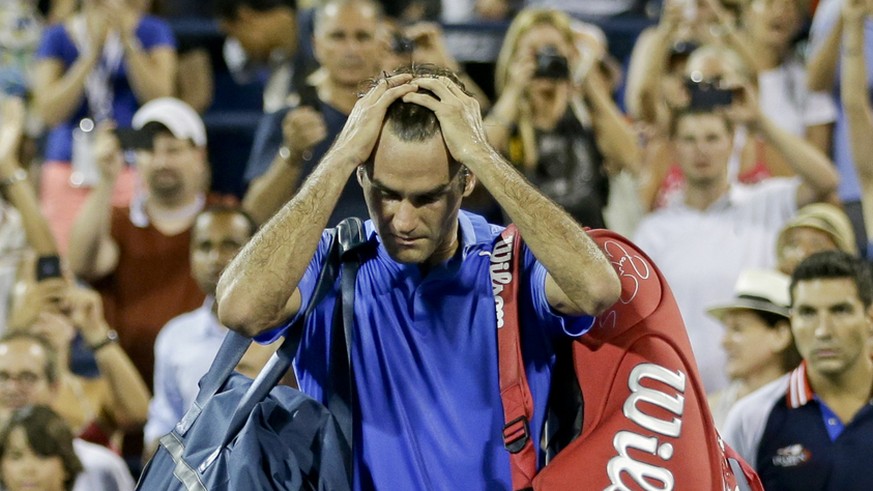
[244, 434]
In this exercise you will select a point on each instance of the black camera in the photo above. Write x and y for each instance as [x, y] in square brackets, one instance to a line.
[401, 44]
[708, 94]
[48, 267]
[133, 139]
[551, 64]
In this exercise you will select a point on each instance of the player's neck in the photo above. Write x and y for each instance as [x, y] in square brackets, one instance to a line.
[442, 254]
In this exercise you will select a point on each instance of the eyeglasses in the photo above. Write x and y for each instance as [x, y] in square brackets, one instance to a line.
[24, 378]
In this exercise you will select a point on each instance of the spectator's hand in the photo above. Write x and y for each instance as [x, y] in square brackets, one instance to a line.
[459, 116]
[30, 298]
[854, 11]
[674, 13]
[361, 131]
[302, 129]
[107, 152]
[56, 328]
[745, 109]
[430, 46]
[590, 46]
[98, 27]
[123, 17]
[520, 72]
[11, 131]
[86, 314]
[492, 9]
[722, 16]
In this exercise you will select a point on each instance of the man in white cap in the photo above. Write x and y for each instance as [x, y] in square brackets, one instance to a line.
[137, 256]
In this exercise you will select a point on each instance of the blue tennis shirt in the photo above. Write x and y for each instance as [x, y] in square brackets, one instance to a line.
[425, 363]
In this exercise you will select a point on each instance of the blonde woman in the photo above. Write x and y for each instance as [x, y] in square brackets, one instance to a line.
[554, 117]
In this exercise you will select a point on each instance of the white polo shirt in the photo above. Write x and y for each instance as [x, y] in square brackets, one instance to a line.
[701, 254]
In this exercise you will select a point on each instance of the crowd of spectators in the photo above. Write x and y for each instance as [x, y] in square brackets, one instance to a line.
[733, 142]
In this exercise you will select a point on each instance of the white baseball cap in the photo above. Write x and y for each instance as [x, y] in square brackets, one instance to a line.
[758, 289]
[178, 117]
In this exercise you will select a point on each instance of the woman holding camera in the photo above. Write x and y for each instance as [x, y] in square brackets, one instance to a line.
[554, 117]
[102, 63]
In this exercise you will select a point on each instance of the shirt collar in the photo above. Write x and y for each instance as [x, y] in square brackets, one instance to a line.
[799, 391]
[140, 218]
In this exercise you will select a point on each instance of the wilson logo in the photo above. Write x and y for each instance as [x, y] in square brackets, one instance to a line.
[501, 274]
[664, 392]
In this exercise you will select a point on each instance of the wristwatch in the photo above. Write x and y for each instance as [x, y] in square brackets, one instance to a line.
[111, 337]
[285, 154]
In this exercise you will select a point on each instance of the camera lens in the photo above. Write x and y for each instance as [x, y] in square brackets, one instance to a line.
[551, 64]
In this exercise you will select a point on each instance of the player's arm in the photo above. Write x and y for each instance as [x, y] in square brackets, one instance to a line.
[258, 289]
[581, 280]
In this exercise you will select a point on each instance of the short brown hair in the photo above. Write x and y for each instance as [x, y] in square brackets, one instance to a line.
[47, 435]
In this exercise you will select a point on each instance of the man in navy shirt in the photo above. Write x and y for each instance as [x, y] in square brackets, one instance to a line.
[813, 428]
[291, 140]
[428, 413]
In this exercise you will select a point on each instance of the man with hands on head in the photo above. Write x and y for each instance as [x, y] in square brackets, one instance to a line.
[425, 326]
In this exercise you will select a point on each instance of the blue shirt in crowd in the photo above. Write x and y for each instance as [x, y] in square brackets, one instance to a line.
[57, 44]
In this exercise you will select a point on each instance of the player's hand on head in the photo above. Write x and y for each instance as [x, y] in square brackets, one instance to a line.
[363, 126]
[459, 115]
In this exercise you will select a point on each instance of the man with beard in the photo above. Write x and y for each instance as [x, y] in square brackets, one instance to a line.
[137, 256]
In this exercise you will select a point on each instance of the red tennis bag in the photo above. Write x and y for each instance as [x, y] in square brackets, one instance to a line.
[646, 423]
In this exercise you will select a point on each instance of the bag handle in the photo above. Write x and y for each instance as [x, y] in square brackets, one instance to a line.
[514, 389]
[231, 351]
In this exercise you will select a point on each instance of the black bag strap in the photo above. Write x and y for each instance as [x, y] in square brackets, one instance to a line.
[341, 392]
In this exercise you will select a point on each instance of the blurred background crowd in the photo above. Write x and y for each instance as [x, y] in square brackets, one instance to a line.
[142, 143]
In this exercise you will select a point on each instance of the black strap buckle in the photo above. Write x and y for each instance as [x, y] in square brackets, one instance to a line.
[515, 437]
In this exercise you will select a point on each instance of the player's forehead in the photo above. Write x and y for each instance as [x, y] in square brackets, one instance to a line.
[399, 160]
